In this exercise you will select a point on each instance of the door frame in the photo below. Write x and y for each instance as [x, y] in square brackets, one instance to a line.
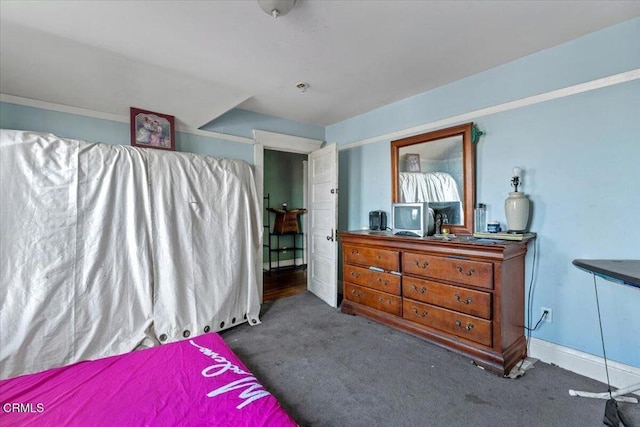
[278, 142]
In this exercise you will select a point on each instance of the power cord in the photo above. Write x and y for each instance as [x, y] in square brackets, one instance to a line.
[544, 316]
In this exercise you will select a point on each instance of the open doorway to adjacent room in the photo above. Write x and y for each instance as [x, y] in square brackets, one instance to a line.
[284, 252]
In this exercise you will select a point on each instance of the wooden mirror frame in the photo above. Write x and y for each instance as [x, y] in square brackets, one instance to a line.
[468, 164]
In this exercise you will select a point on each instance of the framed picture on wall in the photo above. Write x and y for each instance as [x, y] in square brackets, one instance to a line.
[413, 162]
[152, 130]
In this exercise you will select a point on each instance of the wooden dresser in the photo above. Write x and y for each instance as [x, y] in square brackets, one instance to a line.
[464, 295]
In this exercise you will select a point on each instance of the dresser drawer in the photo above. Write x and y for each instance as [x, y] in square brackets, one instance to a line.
[375, 299]
[469, 301]
[468, 272]
[384, 282]
[371, 257]
[461, 325]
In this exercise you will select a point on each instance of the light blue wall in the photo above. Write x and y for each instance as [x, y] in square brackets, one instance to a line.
[19, 117]
[364, 180]
[596, 55]
[91, 129]
[236, 122]
[242, 123]
[581, 156]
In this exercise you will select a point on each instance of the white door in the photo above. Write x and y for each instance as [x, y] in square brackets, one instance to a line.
[322, 274]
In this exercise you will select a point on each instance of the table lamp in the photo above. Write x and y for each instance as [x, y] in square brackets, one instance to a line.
[516, 206]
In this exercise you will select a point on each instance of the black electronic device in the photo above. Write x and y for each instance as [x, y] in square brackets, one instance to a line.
[377, 220]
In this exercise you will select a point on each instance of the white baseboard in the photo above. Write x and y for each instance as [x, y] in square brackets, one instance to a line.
[588, 365]
[284, 263]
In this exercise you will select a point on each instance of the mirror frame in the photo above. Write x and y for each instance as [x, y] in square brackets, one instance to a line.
[468, 164]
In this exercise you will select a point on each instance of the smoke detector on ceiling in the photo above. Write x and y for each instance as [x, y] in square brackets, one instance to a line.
[276, 8]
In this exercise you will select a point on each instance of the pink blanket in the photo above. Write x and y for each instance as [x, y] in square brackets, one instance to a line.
[193, 382]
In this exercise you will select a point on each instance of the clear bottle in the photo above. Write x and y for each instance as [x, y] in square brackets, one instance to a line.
[481, 218]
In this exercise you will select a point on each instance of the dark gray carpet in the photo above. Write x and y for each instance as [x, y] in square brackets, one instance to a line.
[332, 369]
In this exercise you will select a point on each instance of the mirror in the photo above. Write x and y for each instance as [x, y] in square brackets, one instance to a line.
[437, 167]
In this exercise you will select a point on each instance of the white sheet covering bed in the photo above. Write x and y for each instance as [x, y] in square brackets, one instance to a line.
[428, 187]
[105, 249]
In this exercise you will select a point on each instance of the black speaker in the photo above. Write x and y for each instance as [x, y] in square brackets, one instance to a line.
[377, 220]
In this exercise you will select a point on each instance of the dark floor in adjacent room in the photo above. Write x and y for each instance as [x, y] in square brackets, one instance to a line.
[285, 282]
[331, 369]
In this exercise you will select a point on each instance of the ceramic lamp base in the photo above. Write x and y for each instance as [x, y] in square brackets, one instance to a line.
[516, 209]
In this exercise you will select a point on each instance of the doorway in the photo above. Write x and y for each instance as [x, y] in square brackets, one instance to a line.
[284, 252]
[321, 188]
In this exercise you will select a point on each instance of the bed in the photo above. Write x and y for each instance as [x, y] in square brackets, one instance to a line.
[428, 187]
[439, 189]
[119, 264]
[109, 249]
[194, 382]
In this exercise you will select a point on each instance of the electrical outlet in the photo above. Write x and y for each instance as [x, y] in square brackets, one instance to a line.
[549, 317]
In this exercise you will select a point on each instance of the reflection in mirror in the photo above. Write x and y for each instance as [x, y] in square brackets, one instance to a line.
[432, 172]
[439, 168]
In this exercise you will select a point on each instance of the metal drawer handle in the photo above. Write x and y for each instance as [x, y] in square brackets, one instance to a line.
[423, 314]
[385, 283]
[469, 299]
[425, 264]
[378, 256]
[466, 328]
[469, 273]
[422, 290]
[356, 293]
[355, 252]
[380, 299]
[355, 274]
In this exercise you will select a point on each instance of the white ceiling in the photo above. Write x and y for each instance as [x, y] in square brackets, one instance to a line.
[197, 60]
